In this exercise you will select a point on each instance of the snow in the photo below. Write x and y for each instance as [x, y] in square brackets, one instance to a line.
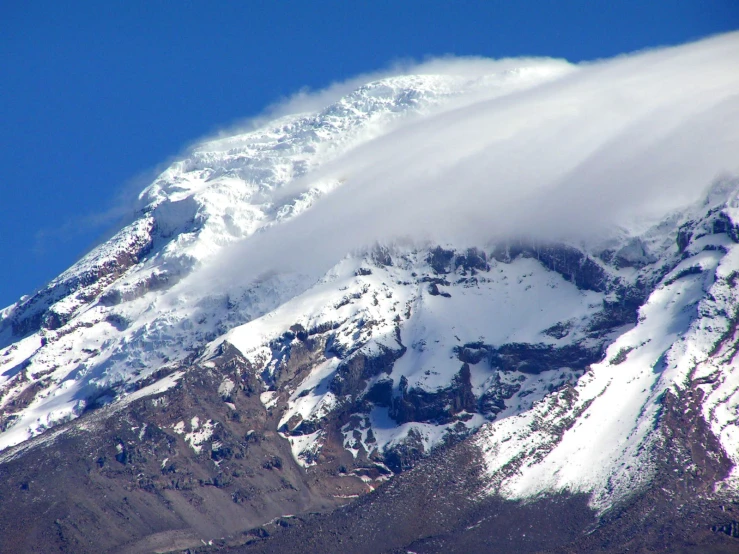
[305, 448]
[199, 434]
[362, 307]
[388, 433]
[223, 191]
[319, 401]
[15, 355]
[268, 399]
[225, 388]
[606, 451]
[158, 387]
[512, 303]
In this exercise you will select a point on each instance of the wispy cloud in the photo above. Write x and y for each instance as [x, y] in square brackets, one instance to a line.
[307, 100]
[612, 142]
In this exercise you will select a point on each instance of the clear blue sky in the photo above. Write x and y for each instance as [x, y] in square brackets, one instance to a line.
[93, 94]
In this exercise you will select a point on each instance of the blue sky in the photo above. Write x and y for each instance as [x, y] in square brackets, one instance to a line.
[94, 95]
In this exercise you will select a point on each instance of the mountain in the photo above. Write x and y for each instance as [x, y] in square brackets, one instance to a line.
[285, 324]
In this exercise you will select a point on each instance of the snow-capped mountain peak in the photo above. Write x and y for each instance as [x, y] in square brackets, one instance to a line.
[425, 258]
[100, 323]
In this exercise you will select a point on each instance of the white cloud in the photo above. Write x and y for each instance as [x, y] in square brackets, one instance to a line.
[602, 145]
[308, 101]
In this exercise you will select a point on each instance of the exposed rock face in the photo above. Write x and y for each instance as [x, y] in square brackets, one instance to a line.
[536, 358]
[221, 193]
[338, 369]
[573, 264]
[352, 374]
[197, 461]
[436, 507]
[419, 405]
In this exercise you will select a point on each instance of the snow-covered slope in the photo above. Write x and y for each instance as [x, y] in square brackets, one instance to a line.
[398, 332]
[560, 352]
[570, 354]
[603, 436]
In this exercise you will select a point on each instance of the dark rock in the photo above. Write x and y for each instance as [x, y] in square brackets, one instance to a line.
[118, 321]
[440, 260]
[572, 264]
[559, 330]
[52, 320]
[352, 374]
[507, 251]
[472, 353]
[684, 236]
[381, 393]
[623, 310]
[406, 454]
[122, 457]
[439, 407]
[723, 224]
[535, 358]
[621, 355]
[28, 316]
[434, 291]
[275, 462]
[322, 328]
[110, 298]
[633, 254]
[692, 270]
[224, 452]
[472, 260]
[300, 332]
[731, 528]
[260, 532]
[381, 256]
[493, 399]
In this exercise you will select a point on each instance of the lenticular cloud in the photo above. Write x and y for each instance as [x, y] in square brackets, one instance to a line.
[578, 150]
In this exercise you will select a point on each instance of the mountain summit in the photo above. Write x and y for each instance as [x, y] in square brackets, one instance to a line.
[497, 289]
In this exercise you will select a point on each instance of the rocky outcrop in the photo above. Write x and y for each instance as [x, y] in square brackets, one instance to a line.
[189, 465]
[436, 507]
[530, 358]
[353, 373]
[439, 407]
[571, 263]
[536, 358]
[36, 312]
